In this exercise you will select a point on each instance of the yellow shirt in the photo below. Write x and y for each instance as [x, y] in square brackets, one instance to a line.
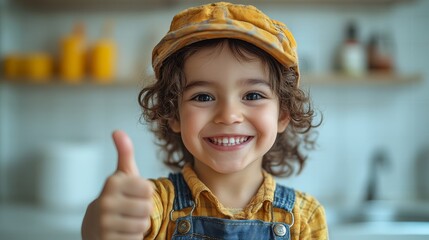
[310, 222]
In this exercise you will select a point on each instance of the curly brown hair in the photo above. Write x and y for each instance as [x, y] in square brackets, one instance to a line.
[159, 102]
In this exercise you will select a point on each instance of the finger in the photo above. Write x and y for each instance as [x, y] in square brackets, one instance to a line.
[138, 188]
[136, 208]
[121, 184]
[124, 147]
[125, 225]
[121, 236]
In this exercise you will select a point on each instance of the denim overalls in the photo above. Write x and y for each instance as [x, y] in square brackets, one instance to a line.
[201, 227]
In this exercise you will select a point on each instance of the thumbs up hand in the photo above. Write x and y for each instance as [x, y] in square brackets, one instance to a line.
[124, 147]
[122, 211]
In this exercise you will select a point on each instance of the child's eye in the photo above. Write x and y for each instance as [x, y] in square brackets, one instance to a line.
[203, 98]
[253, 96]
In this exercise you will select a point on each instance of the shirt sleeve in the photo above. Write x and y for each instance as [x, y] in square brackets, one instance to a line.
[317, 224]
[163, 199]
[310, 219]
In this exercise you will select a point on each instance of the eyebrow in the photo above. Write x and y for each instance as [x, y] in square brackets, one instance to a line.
[197, 83]
[256, 81]
[245, 82]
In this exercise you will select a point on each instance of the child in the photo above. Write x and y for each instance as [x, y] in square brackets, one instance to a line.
[227, 110]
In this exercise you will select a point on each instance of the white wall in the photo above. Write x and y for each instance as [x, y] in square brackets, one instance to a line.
[357, 120]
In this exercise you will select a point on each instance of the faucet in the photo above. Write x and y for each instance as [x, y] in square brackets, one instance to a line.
[378, 161]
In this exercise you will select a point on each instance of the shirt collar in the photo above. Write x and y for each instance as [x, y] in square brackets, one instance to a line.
[264, 194]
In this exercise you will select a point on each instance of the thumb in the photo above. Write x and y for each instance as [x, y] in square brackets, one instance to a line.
[124, 147]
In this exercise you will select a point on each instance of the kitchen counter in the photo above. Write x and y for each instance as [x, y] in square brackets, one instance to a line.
[22, 222]
[381, 220]
[381, 231]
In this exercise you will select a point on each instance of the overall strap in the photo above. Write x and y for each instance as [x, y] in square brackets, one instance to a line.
[183, 198]
[284, 198]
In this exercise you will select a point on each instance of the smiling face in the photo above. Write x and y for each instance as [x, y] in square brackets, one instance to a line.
[229, 114]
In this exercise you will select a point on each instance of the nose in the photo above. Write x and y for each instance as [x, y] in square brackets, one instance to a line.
[229, 112]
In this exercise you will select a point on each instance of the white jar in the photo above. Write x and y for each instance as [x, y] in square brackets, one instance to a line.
[353, 59]
[68, 176]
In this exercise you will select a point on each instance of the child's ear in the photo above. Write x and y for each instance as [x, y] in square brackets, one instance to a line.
[283, 122]
[174, 125]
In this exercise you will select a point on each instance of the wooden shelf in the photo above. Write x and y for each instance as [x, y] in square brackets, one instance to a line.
[146, 5]
[369, 79]
[86, 82]
[307, 79]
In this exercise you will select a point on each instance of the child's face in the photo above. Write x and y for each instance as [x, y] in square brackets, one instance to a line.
[229, 116]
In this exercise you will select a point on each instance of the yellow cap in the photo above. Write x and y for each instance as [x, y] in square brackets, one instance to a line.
[227, 20]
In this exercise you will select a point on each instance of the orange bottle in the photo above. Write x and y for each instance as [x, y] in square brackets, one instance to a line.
[72, 56]
[103, 57]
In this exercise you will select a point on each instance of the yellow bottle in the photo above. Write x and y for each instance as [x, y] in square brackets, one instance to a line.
[12, 66]
[103, 58]
[39, 67]
[72, 56]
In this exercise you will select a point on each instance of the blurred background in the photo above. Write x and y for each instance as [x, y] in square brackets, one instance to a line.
[71, 71]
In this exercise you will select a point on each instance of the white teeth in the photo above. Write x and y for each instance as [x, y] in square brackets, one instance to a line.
[229, 141]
